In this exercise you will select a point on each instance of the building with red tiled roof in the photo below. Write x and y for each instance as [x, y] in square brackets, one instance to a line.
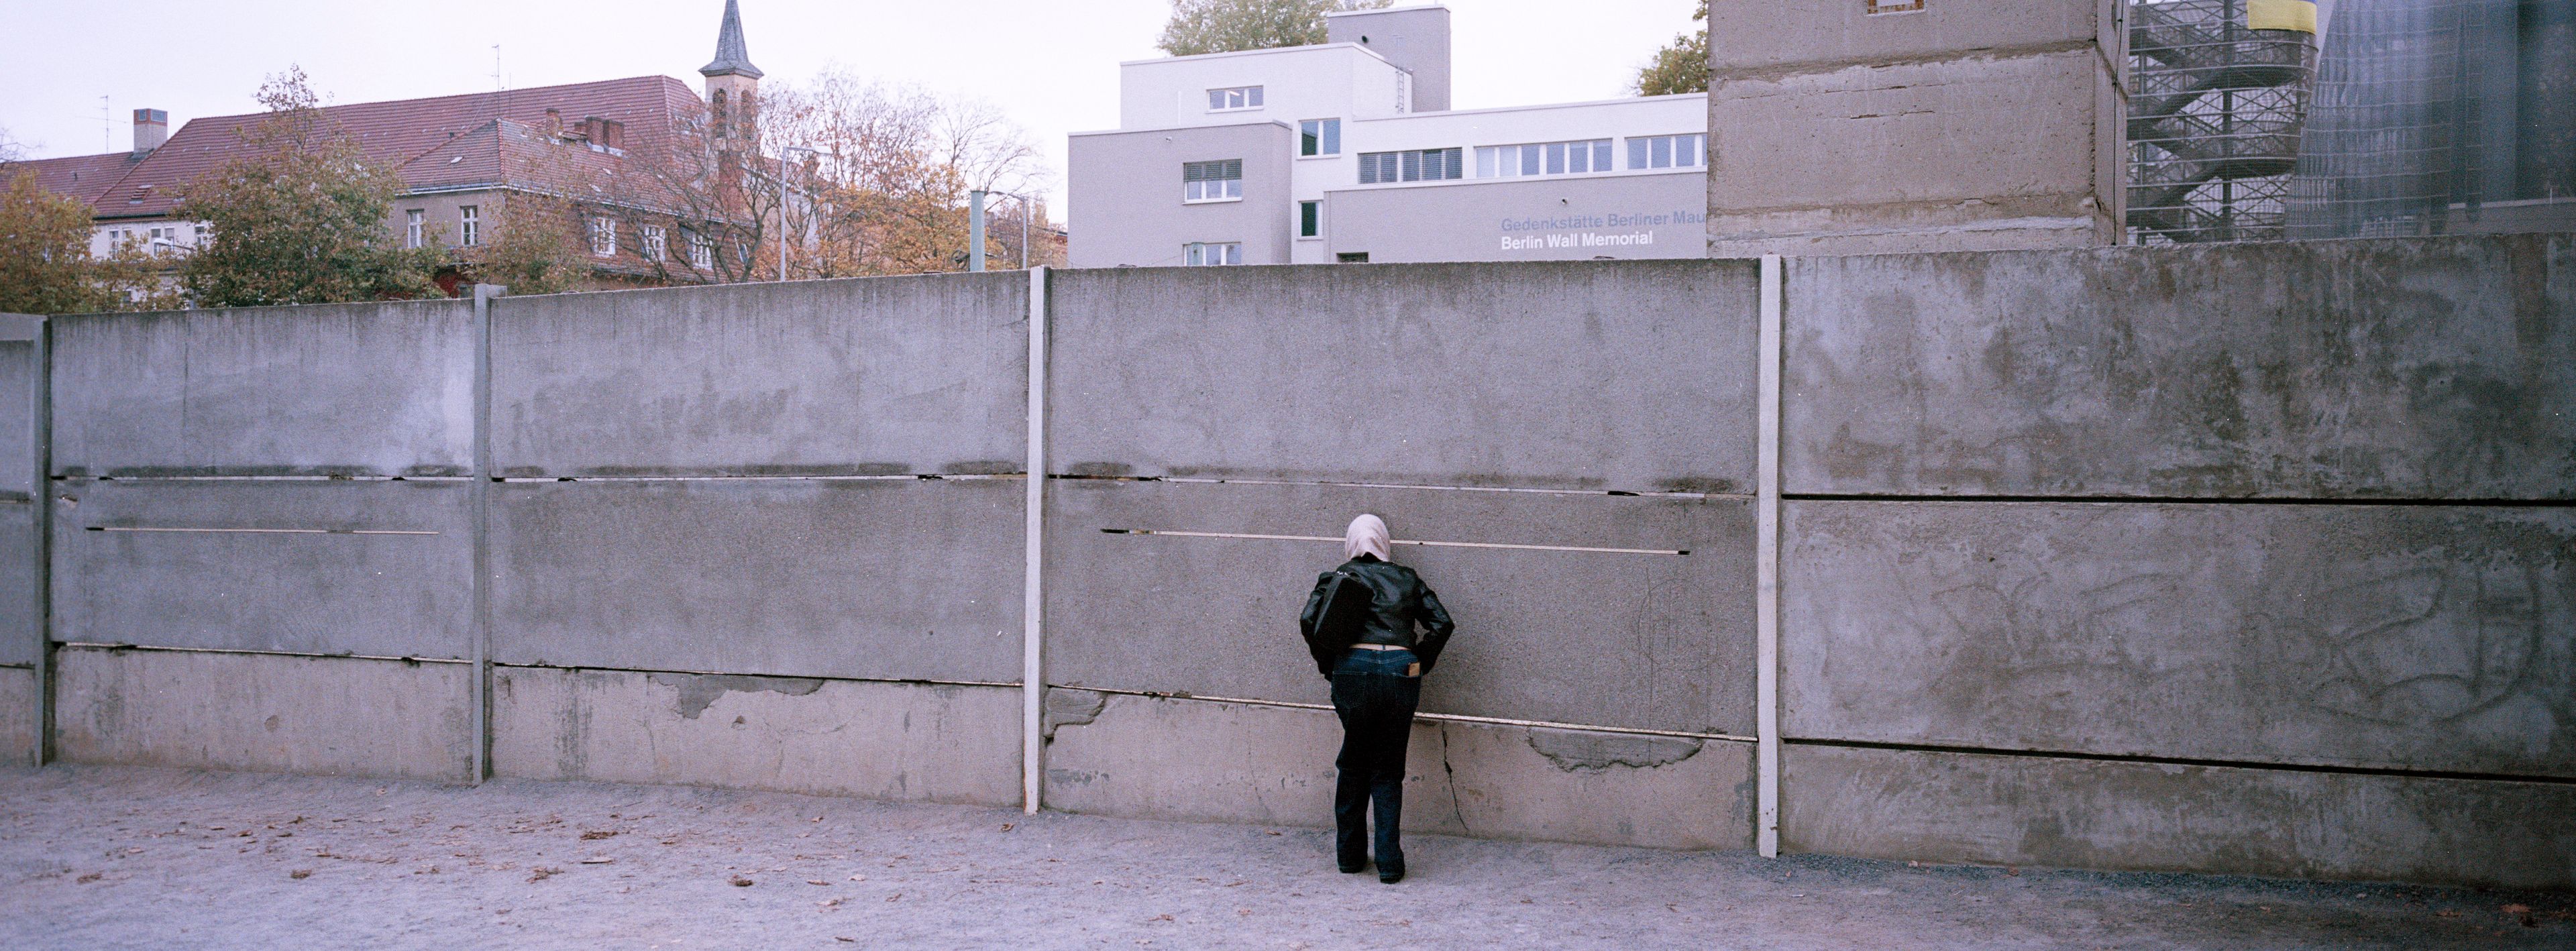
[616, 150]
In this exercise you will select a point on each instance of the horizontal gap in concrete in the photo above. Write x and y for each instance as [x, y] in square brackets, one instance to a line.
[155, 648]
[260, 478]
[1441, 717]
[2173, 500]
[17, 666]
[1399, 541]
[907, 477]
[1194, 480]
[2188, 761]
[1013, 684]
[260, 531]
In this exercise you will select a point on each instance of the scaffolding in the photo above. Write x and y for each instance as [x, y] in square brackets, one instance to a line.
[2214, 119]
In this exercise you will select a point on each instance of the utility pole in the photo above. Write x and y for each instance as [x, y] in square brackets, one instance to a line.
[975, 230]
[782, 206]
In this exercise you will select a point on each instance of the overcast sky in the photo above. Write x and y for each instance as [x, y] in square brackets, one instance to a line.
[1051, 65]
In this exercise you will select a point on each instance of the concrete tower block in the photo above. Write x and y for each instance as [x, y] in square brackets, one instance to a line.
[1876, 126]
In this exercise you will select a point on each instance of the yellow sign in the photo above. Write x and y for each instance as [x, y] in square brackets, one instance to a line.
[2300, 15]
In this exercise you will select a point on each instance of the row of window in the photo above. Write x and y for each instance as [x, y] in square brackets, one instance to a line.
[1222, 180]
[602, 233]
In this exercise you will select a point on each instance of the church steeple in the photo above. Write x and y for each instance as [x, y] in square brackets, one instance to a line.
[733, 86]
[731, 59]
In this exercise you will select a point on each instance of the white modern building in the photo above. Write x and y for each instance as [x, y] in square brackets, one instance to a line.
[1349, 152]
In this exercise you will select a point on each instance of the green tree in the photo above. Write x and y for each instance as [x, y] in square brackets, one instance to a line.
[45, 265]
[1680, 67]
[536, 248]
[300, 218]
[1224, 26]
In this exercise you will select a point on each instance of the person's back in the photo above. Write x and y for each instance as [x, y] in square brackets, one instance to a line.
[1376, 687]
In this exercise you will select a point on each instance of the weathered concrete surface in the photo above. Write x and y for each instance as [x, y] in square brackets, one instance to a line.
[265, 712]
[1607, 639]
[18, 715]
[2433, 369]
[17, 583]
[1745, 36]
[915, 742]
[2414, 637]
[340, 389]
[864, 578]
[403, 595]
[1629, 375]
[2030, 810]
[1274, 766]
[17, 419]
[870, 376]
[1980, 149]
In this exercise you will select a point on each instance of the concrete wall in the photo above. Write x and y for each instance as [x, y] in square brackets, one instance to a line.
[1568, 408]
[2253, 558]
[2248, 559]
[1965, 125]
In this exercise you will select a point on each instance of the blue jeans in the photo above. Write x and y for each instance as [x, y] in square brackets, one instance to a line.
[1375, 700]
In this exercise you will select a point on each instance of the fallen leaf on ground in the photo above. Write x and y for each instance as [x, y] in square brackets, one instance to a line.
[299, 873]
[894, 896]
[598, 860]
[1161, 917]
[1006, 827]
[541, 874]
[595, 834]
[741, 882]
[850, 940]
[816, 881]
[858, 878]
[1274, 832]
[829, 902]
[95, 876]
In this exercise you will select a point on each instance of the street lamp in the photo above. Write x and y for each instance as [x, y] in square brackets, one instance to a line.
[975, 227]
[782, 205]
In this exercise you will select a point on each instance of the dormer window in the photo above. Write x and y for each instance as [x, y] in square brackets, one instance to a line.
[1233, 98]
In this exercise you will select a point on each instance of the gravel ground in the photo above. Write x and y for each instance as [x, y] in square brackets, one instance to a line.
[126, 857]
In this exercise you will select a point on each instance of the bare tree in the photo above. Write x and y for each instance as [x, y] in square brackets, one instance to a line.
[882, 188]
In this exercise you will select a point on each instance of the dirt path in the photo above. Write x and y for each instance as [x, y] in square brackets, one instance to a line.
[119, 857]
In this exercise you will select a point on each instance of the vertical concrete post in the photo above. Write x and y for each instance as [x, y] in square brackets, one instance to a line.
[975, 231]
[1033, 527]
[481, 497]
[1766, 571]
[40, 495]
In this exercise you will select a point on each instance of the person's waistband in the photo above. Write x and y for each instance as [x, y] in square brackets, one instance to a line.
[1380, 647]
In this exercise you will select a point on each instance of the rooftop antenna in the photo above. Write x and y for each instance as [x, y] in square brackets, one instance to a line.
[497, 84]
[104, 120]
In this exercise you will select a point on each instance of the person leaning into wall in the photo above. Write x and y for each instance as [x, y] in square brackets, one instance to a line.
[1360, 626]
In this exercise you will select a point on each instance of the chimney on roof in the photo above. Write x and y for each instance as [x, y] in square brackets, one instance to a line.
[151, 128]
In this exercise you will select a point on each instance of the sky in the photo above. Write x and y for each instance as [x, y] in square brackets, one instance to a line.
[1050, 65]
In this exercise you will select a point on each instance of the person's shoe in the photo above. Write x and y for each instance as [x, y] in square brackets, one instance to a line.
[1353, 868]
[1390, 874]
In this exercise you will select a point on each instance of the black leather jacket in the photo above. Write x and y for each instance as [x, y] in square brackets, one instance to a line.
[1401, 601]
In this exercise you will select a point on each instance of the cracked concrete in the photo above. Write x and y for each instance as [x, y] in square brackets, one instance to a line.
[1573, 750]
[1065, 707]
[697, 691]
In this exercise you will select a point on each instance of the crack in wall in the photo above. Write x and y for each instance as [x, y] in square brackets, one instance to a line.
[1572, 751]
[1457, 810]
[698, 691]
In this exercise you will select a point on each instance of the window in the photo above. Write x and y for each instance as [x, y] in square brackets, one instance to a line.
[469, 225]
[603, 236]
[1319, 137]
[1351, 257]
[1426, 165]
[702, 250]
[655, 247]
[1220, 180]
[411, 227]
[1667, 151]
[1239, 97]
[1213, 255]
[1310, 219]
[1544, 158]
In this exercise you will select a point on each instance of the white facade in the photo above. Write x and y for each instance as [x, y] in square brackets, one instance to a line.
[1140, 199]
